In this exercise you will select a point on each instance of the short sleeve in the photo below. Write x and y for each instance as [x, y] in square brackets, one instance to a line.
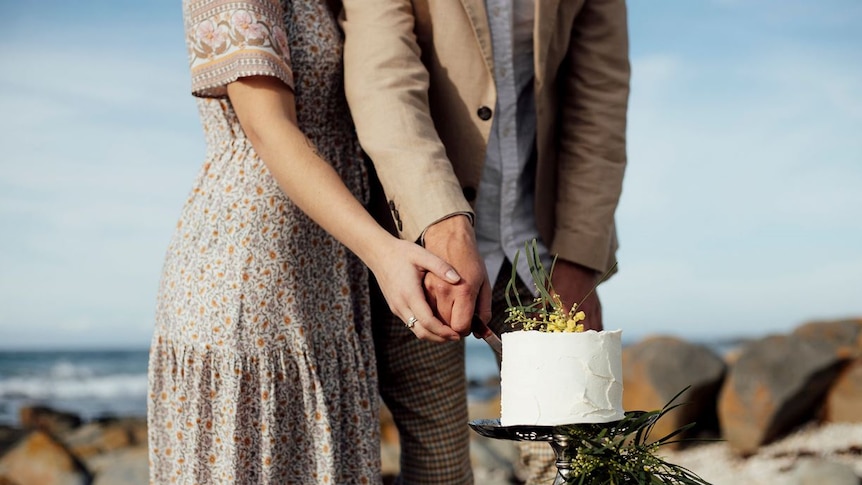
[230, 39]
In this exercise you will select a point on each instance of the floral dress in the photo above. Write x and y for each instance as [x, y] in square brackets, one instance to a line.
[262, 366]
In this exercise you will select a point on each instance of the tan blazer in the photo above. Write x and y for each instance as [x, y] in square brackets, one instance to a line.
[418, 77]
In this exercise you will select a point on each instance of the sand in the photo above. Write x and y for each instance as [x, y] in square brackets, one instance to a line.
[778, 462]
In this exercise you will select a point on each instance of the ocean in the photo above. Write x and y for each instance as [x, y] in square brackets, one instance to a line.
[95, 384]
[91, 384]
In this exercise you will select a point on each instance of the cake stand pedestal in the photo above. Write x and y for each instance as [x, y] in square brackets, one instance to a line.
[561, 443]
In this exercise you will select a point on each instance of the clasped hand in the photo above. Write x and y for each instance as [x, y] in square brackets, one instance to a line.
[454, 241]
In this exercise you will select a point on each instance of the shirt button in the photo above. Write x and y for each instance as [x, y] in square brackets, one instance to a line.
[469, 193]
[484, 113]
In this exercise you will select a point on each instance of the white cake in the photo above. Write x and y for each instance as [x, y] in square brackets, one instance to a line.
[550, 379]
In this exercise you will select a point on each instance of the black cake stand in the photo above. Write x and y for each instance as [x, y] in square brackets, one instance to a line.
[561, 443]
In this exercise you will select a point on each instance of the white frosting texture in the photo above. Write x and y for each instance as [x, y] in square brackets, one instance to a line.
[549, 379]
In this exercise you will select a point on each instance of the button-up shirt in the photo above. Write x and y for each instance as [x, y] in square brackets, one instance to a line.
[504, 209]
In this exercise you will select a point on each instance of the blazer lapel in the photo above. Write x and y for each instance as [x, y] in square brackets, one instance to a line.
[478, 16]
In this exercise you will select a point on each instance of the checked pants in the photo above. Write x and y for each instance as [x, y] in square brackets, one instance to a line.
[424, 385]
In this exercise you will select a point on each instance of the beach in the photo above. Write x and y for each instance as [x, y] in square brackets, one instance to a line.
[780, 463]
[106, 391]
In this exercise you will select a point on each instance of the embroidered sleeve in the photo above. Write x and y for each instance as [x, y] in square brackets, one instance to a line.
[231, 39]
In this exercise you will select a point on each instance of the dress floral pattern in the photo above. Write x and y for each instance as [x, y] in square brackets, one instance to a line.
[262, 365]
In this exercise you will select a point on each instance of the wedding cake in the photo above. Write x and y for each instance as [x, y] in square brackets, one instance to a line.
[554, 378]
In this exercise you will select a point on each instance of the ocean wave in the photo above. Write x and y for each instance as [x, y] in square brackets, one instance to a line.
[73, 383]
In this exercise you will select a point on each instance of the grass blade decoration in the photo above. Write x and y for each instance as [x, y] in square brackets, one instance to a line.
[546, 313]
[622, 453]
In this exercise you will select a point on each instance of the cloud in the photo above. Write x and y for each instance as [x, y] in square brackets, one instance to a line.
[741, 205]
[96, 168]
[79, 75]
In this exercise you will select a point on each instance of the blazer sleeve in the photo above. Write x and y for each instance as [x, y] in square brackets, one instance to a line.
[386, 84]
[592, 146]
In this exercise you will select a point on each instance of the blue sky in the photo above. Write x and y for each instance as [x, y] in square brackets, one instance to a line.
[740, 214]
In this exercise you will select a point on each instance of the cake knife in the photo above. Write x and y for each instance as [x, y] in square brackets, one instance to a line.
[491, 339]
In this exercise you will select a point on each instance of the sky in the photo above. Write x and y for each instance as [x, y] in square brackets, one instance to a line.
[741, 213]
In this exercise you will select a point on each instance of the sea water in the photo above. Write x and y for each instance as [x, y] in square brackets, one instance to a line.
[96, 384]
[91, 384]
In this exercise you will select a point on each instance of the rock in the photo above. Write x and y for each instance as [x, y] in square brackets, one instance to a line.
[844, 398]
[40, 459]
[8, 437]
[484, 408]
[493, 461]
[775, 385]
[844, 335]
[104, 437]
[138, 430]
[656, 369]
[388, 430]
[390, 459]
[390, 446]
[47, 419]
[124, 467]
[822, 472]
[136, 425]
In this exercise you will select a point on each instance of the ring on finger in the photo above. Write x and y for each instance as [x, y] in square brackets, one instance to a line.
[411, 322]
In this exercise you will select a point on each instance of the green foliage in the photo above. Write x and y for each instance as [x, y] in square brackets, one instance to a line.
[621, 453]
[546, 312]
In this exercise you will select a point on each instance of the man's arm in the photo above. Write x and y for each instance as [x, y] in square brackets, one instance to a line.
[592, 149]
[592, 155]
[387, 84]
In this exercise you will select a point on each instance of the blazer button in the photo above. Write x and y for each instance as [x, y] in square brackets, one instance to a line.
[484, 113]
[469, 193]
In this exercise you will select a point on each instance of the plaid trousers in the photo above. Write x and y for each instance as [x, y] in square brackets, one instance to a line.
[424, 385]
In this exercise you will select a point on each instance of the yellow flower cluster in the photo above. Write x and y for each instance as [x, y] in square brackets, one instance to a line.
[545, 319]
[570, 325]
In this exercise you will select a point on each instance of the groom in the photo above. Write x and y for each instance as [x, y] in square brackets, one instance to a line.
[489, 123]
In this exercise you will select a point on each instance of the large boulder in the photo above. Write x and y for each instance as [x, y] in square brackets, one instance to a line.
[657, 368]
[776, 384]
[494, 461]
[106, 435]
[845, 336]
[9, 436]
[46, 419]
[844, 399]
[390, 448]
[40, 459]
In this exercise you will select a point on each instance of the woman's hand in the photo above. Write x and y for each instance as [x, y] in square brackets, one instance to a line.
[400, 267]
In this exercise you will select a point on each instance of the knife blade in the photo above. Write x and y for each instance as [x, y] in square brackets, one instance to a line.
[491, 339]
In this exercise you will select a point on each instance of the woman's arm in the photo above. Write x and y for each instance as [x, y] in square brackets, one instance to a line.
[267, 112]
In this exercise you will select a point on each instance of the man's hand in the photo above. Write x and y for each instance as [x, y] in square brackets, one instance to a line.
[572, 281]
[454, 241]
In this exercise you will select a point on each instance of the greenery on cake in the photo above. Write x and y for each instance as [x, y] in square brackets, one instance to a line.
[616, 453]
[546, 312]
[622, 452]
